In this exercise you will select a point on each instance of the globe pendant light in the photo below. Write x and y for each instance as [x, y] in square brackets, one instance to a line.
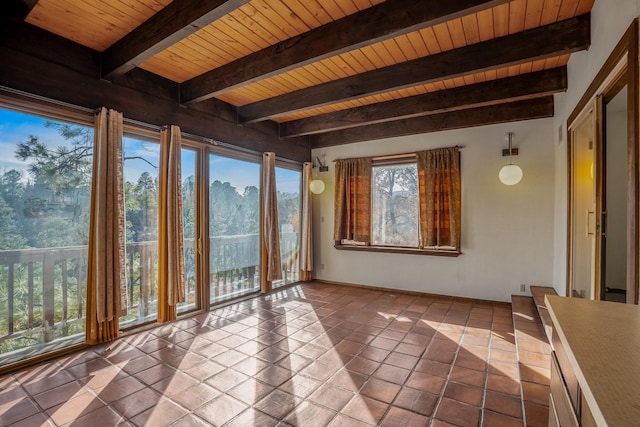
[316, 186]
[510, 174]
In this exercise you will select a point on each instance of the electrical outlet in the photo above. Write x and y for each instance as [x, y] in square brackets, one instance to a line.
[321, 266]
[523, 287]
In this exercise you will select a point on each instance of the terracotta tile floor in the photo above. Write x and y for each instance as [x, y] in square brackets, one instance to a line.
[310, 355]
[534, 354]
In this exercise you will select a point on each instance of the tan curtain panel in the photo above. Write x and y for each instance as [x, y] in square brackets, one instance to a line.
[170, 238]
[306, 232]
[439, 187]
[106, 285]
[271, 262]
[352, 198]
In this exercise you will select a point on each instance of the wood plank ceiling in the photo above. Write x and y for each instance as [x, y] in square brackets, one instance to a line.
[340, 71]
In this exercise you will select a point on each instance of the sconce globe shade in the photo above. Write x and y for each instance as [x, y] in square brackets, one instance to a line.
[316, 186]
[510, 174]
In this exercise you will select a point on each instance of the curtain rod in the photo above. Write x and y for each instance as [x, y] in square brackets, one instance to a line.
[217, 143]
[400, 156]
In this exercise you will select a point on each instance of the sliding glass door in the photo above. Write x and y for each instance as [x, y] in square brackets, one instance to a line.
[45, 193]
[234, 223]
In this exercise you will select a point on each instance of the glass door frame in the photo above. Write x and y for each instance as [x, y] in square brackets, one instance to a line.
[201, 224]
[297, 167]
[232, 154]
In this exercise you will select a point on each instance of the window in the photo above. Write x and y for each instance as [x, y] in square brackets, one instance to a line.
[289, 198]
[395, 205]
[407, 203]
[45, 193]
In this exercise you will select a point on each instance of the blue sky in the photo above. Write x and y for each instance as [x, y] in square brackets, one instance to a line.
[16, 127]
[241, 174]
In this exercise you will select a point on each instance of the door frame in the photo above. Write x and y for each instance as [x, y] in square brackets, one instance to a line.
[623, 61]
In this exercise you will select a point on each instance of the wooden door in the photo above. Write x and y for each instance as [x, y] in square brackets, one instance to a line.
[584, 223]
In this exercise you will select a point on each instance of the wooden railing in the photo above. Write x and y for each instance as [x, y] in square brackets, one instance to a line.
[42, 291]
[235, 260]
[34, 279]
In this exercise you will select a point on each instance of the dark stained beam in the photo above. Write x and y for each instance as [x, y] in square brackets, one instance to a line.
[381, 22]
[517, 88]
[176, 21]
[16, 10]
[539, 43]
[508, 112]
[73, 78]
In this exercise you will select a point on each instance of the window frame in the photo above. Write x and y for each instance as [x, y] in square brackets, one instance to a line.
[347, 245]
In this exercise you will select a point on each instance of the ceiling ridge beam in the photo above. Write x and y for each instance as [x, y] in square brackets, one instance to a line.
[171, 24]
[548, 41]
[377, 23]
[509, 89]
[508, 112]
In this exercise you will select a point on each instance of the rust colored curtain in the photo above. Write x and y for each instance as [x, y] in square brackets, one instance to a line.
[106, 285]
[439, 187]
[306, 232]
[271, 262]
[170, 238]
[352, 198]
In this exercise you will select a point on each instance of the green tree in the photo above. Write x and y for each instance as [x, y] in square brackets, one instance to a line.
[11, 187]
[141, 205]
[250, 210]
[226, 211]
[9, 235]
[395, 204]
[60, 168]
[189, 207]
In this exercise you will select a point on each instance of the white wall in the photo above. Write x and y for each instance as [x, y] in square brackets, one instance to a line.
[507, 232]
[609, 21]
[510, 235]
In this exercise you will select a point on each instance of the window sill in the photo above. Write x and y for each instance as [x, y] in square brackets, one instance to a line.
[398, 250]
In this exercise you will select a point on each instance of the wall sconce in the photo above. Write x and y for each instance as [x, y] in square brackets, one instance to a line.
[510, 174]
[317, 185]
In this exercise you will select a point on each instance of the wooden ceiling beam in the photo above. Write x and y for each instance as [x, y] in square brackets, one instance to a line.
[16, 9]
[381, 22]
[49, 66]
[173, 23]
[543, 42]
[517, 88]
[509, 112]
